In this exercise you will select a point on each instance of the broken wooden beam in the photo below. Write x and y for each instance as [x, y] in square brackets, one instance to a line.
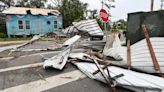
[107, 78]
[151, 50]
[128, 54]
[104, 67]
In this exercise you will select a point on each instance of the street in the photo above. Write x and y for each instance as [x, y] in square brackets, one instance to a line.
[25, 73]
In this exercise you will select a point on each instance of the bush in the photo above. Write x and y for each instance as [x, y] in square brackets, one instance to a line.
[2, 35]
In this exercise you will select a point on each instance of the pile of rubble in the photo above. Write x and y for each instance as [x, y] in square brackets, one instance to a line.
[138, 67]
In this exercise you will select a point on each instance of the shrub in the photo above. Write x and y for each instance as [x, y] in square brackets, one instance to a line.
[2, 35]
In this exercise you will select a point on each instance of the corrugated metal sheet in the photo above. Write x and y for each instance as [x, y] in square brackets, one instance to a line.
[90, 26]
[70, 31]
[34, 11]
[60, 60]
[72, 40]
[138, 82]
[140, 55]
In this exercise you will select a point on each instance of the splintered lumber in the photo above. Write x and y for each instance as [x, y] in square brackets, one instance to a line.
[128, 54]
[104, 67]
[151, 50]
[107, 78]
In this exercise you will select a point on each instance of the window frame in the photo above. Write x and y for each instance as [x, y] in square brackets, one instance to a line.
[55, 24]
[27, 25]
[20, 25]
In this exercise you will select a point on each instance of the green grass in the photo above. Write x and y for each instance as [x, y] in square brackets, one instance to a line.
[13, 39]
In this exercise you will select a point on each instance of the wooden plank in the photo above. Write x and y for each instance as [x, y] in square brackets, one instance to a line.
[105, 67]
[151, 50]
[107, 79]
[128, 54]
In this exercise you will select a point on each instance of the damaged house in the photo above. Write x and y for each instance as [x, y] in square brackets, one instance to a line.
[31, 21]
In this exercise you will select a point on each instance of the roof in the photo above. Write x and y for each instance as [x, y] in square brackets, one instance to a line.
[34, 11]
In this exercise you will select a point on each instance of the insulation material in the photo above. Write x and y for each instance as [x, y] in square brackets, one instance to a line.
[114, 50]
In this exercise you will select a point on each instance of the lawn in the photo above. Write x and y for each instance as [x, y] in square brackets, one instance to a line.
[13, 39]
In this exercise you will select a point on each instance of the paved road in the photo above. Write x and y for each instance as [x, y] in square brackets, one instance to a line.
[22, 75]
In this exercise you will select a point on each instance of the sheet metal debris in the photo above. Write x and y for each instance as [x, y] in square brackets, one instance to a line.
[71, 41]
[90, 26]
[15, 47]
[59, 61]
[84, 28]
[95, 65]
[135, 81]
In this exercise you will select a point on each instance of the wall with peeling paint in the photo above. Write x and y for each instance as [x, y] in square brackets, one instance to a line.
[39, 24]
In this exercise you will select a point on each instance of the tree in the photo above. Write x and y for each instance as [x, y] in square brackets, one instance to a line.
[5, 4]
[121, 24]
[31, 3]
[93, 14]
[8, 3]
[72, 11]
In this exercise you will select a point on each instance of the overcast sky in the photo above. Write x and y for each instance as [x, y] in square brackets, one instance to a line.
[122, 7]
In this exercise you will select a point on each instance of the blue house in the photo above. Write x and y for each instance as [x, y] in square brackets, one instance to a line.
[22, 21]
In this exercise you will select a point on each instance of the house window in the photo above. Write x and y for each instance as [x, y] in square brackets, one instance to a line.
[27, 24]
[20, 24]
[56, 24]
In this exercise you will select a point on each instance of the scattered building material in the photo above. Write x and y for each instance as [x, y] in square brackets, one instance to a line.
[151, 50]
[112, 47]
[59, 61]
[140, 56]
[35, 38]
[138, 82]
[90, 26]
[14, 47]
[38, 45]
[128, 54]
[85, 28]
[107, 78]
[70, 31]
[97, 45]
[71, 41]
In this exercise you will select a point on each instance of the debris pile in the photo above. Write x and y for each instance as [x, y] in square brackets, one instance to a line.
[138, 67]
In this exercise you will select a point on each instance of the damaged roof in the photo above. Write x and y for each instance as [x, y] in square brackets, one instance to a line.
[34, 11]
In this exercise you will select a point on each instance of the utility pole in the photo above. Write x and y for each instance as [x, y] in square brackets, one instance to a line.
[162, 4]
[102, 4]
[152, 5]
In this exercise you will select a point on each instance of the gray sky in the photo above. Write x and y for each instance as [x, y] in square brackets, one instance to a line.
[124, 6]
